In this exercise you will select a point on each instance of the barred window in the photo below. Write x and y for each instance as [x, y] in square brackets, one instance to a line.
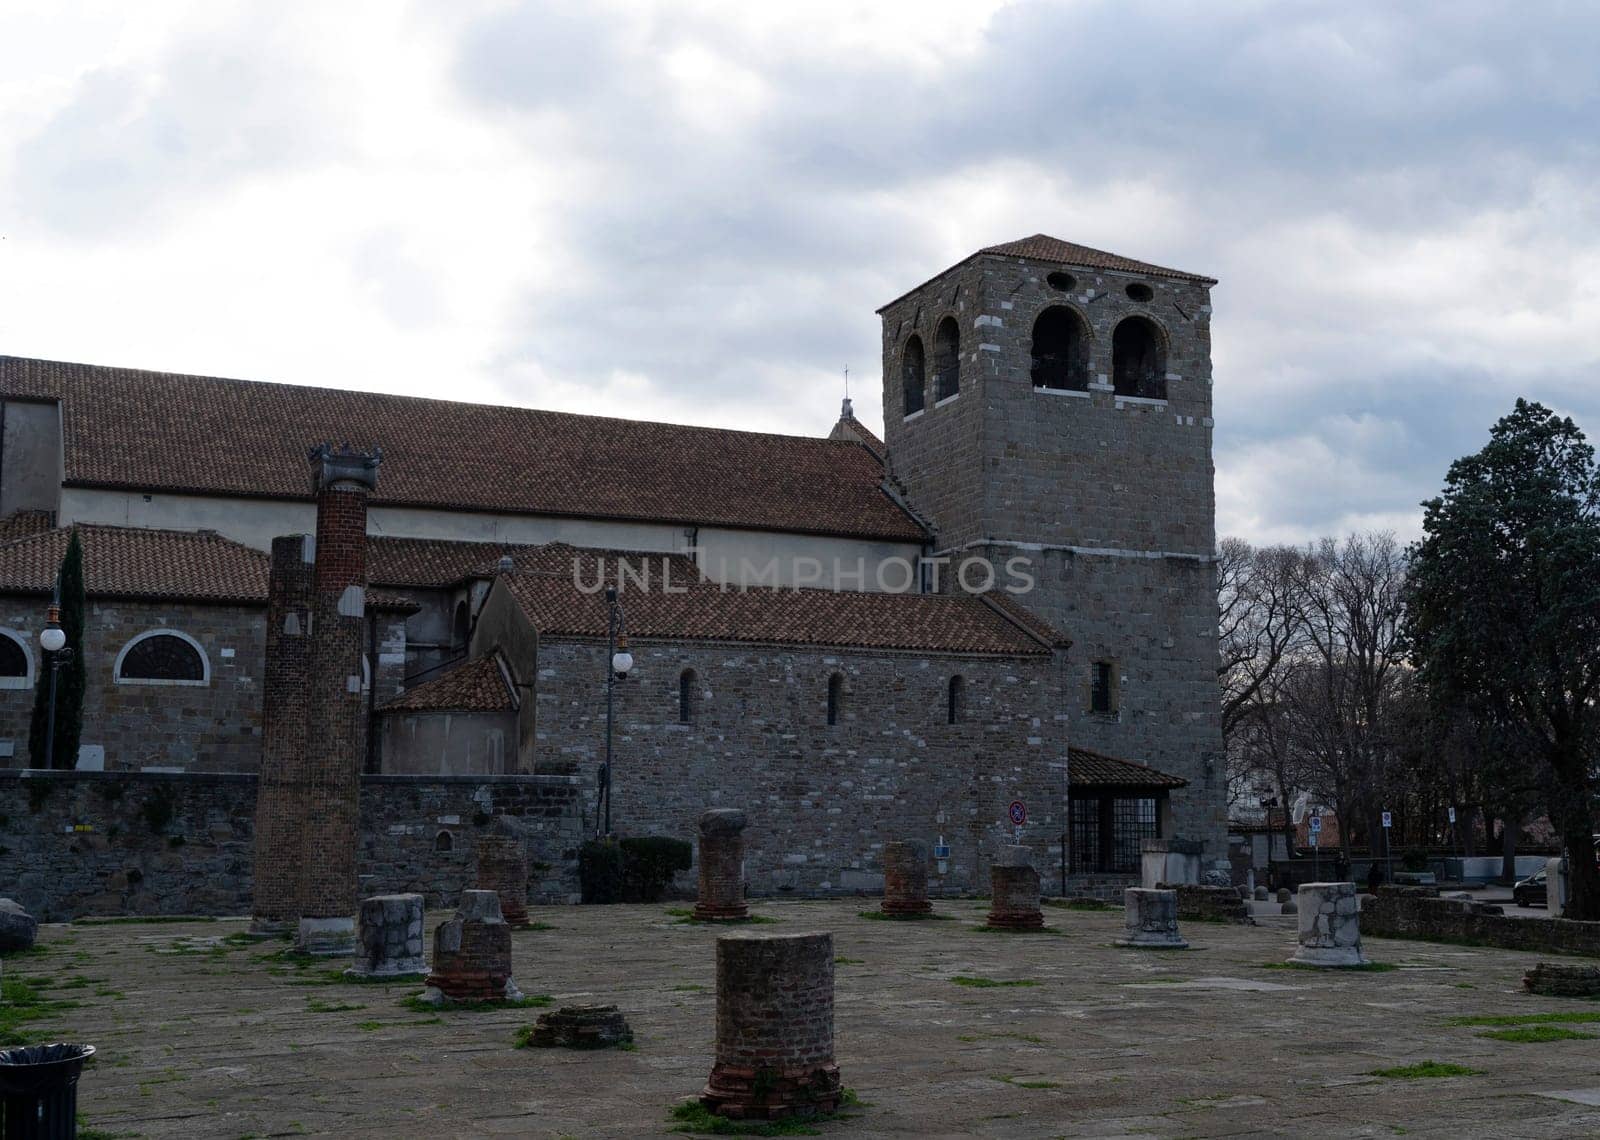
[163, 657]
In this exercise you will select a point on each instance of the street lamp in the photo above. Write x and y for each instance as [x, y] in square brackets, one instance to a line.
[53, 640]
[620, 663]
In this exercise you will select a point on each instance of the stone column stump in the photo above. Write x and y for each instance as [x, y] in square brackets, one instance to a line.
[1014, 885]
[721, 897]
[1152, 920]
[1561, 979]
[581, 1027]
[905, 877]
[503, 869]
[1330, 926]
[774, 1028]
[472, 953]
[389, 938]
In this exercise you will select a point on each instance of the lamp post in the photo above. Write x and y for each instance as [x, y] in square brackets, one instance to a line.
[618, 664]
[53, 640]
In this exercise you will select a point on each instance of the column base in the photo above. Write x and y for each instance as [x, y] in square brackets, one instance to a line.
[272, 927]
[718, 912]
[767, 1094]
[1331, 957]
[1154, 942]
[327, 937]
[1015, 920]
[906, 906]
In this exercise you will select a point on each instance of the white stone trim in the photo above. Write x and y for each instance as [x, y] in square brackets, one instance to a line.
[1102, 551]
[30, 666]
[205, 660]
[914, 415]
[1152, 401]
[1082, 395]
[947, 400]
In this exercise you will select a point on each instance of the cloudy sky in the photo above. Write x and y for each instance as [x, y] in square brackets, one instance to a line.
[689, 210]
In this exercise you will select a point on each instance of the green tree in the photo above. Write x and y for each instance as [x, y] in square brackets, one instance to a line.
[1504, 612]
[70, 679]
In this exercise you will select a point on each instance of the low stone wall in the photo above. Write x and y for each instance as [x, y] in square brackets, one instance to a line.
[103, 843]
[1208, 904]
[1419, 912]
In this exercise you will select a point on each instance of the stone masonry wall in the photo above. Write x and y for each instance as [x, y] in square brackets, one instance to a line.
[1418, 912]
[822, 800]
[79, 843]
[215, 727]
[1111, 497]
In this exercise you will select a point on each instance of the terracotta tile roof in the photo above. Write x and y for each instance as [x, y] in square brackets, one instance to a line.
[389, 600]
[125, 562]
[438, 562]
[1093, 769]
[1043, 247]
[476, 686]
[20, 524]
[161, 431]
[1026, 618]
[939, 623]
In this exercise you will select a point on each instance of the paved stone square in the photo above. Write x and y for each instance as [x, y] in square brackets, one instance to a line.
[202, 1034]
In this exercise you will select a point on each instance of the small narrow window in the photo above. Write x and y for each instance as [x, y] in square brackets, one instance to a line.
[1060, 350]
[956, 700]
[1103, 688]
[461, 627]
[1138, 362]
[835, 697]
[913, 374]
[686, 697]
[946, 360]
[444, 841]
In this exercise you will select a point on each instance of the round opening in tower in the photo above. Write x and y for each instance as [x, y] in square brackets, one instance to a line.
[1138, 292]
[1062, 281]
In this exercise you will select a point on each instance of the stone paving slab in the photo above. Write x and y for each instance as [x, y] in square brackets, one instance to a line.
[202, 1034]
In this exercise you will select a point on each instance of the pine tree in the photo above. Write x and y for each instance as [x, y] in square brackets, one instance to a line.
[70, 678]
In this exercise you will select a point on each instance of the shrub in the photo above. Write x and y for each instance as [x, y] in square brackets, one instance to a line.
[630, 870]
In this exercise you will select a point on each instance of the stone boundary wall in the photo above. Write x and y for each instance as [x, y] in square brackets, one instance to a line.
[109, 843]
[1208, 904]
[1419, 912]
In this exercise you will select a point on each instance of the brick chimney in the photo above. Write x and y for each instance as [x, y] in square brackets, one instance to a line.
[335, 743]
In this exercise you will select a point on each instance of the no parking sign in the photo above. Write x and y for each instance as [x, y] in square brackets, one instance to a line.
[1018, 812]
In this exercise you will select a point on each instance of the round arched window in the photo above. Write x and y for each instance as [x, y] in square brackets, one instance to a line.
[164, 657]
[15, 663]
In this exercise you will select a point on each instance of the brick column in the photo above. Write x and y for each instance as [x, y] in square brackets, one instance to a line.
[1015, 889]
[472, 953]
[774, 1028]
[905, 877]
[336, 715]
[275, 902]
[721, 897]
[503, 868]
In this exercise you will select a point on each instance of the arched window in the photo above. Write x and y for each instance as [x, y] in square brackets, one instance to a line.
[16, 662]
[956, 700]
[1060, 350]
[946, 360]
[688, 698]
[460, 629]
[835, 697]
[1138, 359]
[444, 841]
[913, 374]
[162, 657]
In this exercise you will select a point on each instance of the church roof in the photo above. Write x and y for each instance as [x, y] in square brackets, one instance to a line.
[1096, 770]
[160, 431]
[1043, 247]
[124, 562]
[481, 685]
[708, 611]
[438, 562]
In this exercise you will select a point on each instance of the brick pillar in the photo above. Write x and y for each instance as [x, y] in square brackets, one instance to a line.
[905, 877]
[721, 897]
[503, 868]
[1015, 889]
[336, 712]
[275, 902]
[472, 953]
[774, 1028]
[1150, 920]
[1330, 926]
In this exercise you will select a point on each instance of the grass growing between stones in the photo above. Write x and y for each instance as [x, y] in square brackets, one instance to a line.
[1364, 968]
[841, 960]
[1535, 1034]
[21, 1003]
[1016, 1082]
[524, 1040]
[1425, 1070]
[924, 916]
[990, 983]
[1580, 1016]
[1026, 1038]
[528, 1001]
[317, 1005]
[696, 1119]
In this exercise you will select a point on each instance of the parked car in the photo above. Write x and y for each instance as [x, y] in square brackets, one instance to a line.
[1530, 890]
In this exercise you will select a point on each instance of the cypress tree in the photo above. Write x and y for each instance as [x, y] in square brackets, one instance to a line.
[70, 678]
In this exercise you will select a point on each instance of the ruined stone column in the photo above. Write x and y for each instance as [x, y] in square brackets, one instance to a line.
[389, 938]
[1014, 885]
[1152, 920]
[503, 868]
[1330, 925]
[472, 953]
[721, 897]
[905, 877]
[336, 712]
[275, 896]
[774, 1028]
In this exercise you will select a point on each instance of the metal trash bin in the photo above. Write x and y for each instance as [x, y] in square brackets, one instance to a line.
[39, 1091]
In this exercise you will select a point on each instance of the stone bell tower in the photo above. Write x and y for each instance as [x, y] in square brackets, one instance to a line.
[1049, 401]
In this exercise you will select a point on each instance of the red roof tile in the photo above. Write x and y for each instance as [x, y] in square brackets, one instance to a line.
[476, 686]
[1043, 247]
[1093, 769]
[20, 524]
[161, 431]
[940, 623]
[124, 562]
[438, 562]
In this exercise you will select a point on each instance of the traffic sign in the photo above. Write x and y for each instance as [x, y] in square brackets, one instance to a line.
[1316, 824]
[1388, 821]
[1018, 812]
[1452, 815]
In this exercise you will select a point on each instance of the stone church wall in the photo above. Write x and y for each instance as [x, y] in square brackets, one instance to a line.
[822, 799]
[93, 843]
